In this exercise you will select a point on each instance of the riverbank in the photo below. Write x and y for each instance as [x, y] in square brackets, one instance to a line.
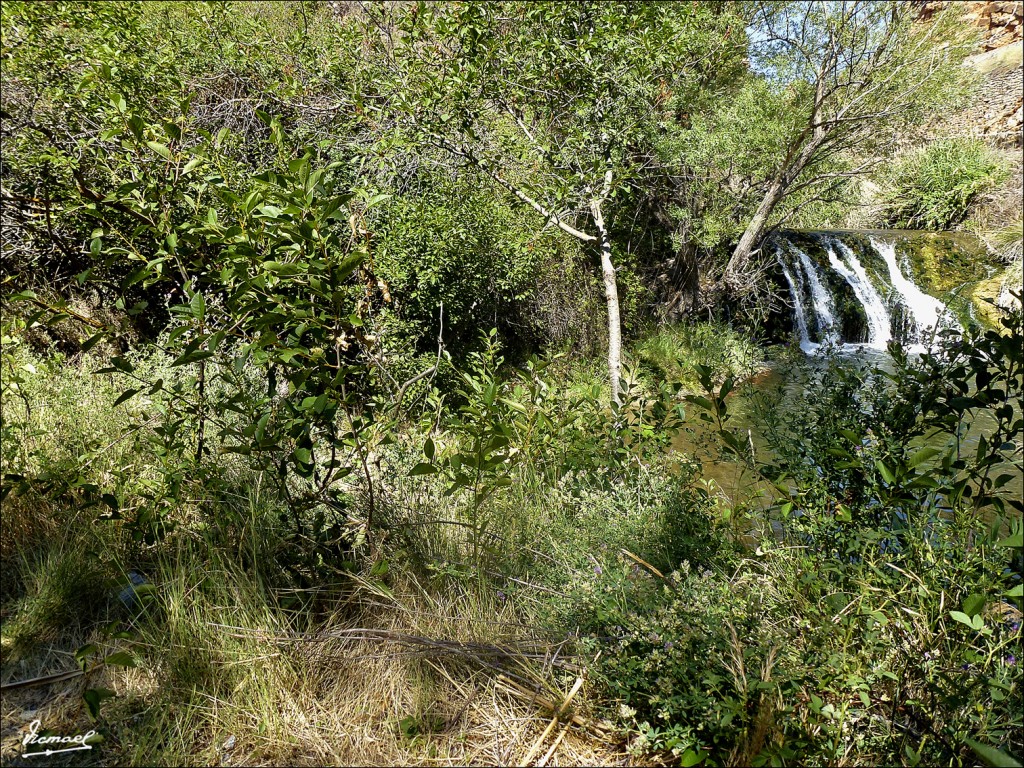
[602, 578]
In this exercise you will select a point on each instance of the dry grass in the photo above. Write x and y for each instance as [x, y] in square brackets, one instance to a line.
[394, 676]
[403, 674]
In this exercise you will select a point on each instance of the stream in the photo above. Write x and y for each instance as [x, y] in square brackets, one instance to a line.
[851, 293]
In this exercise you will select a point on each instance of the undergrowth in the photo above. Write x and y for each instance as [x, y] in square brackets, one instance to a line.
[581, 563]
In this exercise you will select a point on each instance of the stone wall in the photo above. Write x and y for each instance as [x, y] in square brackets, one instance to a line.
[997, 109]
[1001, 22]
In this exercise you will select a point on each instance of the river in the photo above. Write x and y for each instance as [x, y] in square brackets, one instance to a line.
[786, 392]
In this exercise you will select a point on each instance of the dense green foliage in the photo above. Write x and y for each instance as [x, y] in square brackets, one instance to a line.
[305, 455]
[867, 608]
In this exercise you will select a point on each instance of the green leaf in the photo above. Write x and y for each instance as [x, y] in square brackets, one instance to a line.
[92, 341]
[85, 652]
[128, 395]
[282, 268]
[973, 605]
[191, 165]
[198, 306]
[963, 618]
[333, 206]
[120, 659]
[423, 469]
[922, 456]
[428, 449]
[160, 149]
[1014, 540]
[137, 126]
[703, 402]
[885, 472]
[348, 266]
[992, 756]
[691, 757]
[94, 697]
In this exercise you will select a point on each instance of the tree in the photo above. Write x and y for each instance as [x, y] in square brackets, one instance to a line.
[555, 103]
[865, 71]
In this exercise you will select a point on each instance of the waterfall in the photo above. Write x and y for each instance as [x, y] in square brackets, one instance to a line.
[879, 333]
[821, 298]
[806, 344]
[821, 313]
[928, 313]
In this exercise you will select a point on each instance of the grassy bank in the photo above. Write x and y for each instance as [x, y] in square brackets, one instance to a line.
[580, 600]
[674, 352]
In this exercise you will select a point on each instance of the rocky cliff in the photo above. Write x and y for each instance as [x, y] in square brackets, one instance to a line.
[997, 110]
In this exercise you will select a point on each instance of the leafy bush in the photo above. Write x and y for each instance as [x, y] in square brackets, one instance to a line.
[934, 188]
[885, 618]
[449, 247]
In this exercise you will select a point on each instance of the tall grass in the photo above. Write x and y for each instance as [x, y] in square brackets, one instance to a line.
[935, 187]
[610, 590]
[674, 351]
[403, 659]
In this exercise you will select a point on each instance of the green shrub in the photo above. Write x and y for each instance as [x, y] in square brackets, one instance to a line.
[934, 188]
[451, 249]
[883, 624]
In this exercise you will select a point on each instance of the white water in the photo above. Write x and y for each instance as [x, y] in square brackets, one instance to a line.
[925, 314]
[824, 309]
[929, 314]
[879, 333]
[808, 346]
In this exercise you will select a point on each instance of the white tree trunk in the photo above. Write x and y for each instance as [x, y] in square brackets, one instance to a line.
[611, 295]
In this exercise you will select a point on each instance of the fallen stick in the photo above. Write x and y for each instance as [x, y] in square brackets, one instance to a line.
[57, 677]
[535, 697]
[561, 735]
[554, 721]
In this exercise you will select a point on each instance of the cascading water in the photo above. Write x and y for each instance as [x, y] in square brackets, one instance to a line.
[928, 313]
[819, 321]
[808, 346]
[824, 307]
[879, 331]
